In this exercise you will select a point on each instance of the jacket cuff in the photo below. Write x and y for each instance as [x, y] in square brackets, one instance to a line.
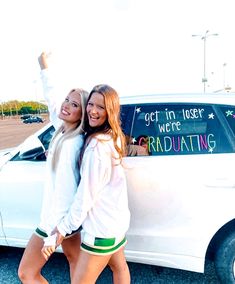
[61, 229]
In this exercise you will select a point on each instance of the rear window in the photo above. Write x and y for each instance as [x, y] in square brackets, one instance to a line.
[178, 129]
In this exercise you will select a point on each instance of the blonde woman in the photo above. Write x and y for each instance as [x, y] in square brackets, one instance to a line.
[101, 203]
[62, 178]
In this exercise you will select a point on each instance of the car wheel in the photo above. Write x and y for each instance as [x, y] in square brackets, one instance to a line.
[225, 260]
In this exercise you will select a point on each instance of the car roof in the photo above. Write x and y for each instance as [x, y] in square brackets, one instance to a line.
[214, 98]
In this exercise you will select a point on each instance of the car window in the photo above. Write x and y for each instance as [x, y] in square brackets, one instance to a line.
[228, 112]
[46, 136]
[37, 153]
[178, 129]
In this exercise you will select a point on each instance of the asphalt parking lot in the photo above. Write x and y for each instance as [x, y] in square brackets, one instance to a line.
[13, 131]
[56, 271]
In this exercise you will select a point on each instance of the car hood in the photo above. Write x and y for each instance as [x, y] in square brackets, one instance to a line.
[29, 143]
[5, 151]
[7, 154]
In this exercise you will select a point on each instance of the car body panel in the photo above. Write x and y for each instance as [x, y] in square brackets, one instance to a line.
[177, 202]
[20, 204]
[173, 217]
[28, 191]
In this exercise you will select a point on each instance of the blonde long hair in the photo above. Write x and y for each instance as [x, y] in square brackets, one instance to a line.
[112, 125]
[79, 129]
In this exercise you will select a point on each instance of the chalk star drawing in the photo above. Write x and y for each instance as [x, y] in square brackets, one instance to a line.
[210, 150]
[229, 112]
[133, 140]
[211, 116]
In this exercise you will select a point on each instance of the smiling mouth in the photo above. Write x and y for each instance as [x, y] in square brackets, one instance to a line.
[64, 112]
[94, 118]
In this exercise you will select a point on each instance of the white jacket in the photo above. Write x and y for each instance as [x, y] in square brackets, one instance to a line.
[101, 203]
[61, 185]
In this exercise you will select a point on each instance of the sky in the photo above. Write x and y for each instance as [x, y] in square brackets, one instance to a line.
[136, 46]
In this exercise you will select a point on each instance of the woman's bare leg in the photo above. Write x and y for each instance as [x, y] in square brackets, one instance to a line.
[71, 249]
[32, 261]
[119, 267]
[89, 267]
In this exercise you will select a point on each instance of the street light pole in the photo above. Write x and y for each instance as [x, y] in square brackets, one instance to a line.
[204, 38]
[204, 79]
[2, 109]
[224, 77]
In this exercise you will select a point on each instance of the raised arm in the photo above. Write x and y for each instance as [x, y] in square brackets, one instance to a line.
[49, 92]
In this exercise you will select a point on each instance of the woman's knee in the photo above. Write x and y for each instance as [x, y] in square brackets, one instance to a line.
[28, 273]
[26, 276]
[21, 274]
[32, 261]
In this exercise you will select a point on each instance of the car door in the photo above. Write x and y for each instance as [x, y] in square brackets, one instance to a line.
[171, 187]
[21, 188]
[21, 195]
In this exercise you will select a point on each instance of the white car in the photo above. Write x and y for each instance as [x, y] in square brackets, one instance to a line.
[181, 182]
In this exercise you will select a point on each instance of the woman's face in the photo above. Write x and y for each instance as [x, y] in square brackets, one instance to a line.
[71, 110]
[96, 110]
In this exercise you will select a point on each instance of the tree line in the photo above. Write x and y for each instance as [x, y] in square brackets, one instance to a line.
[12, 108]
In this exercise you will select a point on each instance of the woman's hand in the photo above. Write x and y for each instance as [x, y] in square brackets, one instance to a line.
[43, 60]
[59, 237]
[47, 251]
[51, 243]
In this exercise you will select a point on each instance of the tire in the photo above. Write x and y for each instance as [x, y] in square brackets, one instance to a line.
[225, 260]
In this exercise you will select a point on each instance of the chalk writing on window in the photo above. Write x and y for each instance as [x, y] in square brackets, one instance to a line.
[178, 129]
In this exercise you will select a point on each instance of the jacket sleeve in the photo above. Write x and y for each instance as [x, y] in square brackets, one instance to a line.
[95, 174]
[53, 100]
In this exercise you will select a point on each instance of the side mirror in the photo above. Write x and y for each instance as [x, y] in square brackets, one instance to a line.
[35, 154]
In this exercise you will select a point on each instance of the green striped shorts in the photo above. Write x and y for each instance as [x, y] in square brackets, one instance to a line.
[101, 246]
[42, 234]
